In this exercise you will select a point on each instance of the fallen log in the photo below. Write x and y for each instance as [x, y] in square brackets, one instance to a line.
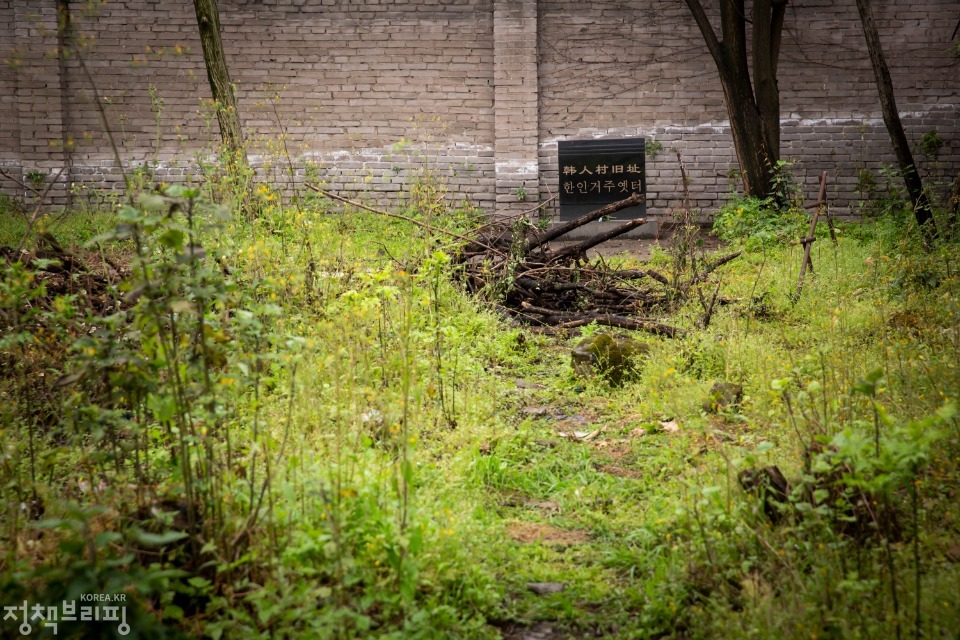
[542, 311]
[635, 324]
[555, 280]
[716, 264]
[631, 274]
[566, 228]
[571, 320]
[581, 248]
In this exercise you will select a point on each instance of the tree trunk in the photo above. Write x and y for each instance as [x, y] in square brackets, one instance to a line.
[65, 41]
[754, 112]
[767, 29]
[231, 131]
[747, 131]
[921, 204]
[953, 221]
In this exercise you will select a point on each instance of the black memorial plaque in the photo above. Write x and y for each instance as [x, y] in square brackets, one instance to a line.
[594, 173]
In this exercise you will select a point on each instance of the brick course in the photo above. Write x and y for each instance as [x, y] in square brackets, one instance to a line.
[606, 73]
[479, 90]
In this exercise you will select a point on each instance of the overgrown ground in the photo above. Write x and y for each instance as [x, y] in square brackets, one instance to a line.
[289, 421]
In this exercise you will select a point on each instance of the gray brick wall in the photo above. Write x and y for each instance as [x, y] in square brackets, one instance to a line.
[9, 107]
[363, 94]
[626, 68]
[34, 127]
[515, 104]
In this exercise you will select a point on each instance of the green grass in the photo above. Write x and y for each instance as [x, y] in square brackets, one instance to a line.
[71, 228]
[410, 495]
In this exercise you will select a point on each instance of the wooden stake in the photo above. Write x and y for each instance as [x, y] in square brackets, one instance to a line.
[826, 207]
[582, 247]
[810, 239]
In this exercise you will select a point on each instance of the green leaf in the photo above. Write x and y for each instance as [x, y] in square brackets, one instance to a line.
[780, 385]
[222, 213]
[55, 523]
[867, 385]
[392, 556]
[416, 540]
[45, 263]
[173, 612]
[181, 306]
[408, 589]
[199, 583]
[122, 561]
[158, 539]
[765, 446]
[406, 471]
[152, 202]
[163, 407]
[822, 466]
[129, 214]
[882, 414]
[104, 538]
[947, 411]
[172, 238]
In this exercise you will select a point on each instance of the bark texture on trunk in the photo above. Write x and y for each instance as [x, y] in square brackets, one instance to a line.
[767, 28]
[753, 109]
[891, 118]
[953, 222]
[231, 131]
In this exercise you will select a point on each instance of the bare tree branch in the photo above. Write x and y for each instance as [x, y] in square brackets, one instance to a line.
[706, 29]
[891, 117]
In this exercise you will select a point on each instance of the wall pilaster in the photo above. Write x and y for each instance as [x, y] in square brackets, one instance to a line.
[516, 124]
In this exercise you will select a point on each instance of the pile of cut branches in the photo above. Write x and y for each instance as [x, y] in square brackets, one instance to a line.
[540, 285]
[88, 278]
[512, 262]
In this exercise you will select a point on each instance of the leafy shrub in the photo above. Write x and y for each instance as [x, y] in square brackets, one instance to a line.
[758, 221]
[776, 218]
[930, 145]
[702, 357]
